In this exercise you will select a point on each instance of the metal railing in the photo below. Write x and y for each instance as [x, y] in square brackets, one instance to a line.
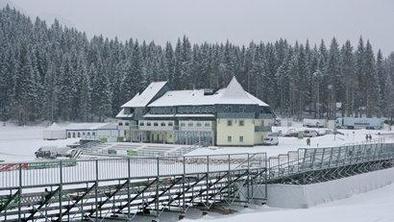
[98, 188]
[314, 159]
[32, 174]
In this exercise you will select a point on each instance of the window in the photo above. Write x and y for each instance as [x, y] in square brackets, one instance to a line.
[241, 123]
[170, 124]
[199, 124]
[79, 134]
[73, 134]
[162, 124]
[149, 124]
[207, 124]
[93, 133]
[190, 124]
[141, 123]
[126, 123]
[229, 123]
[83, 133]
[229, 139]
[241, 139]
[89, 133]
[120, 124]
[155, 124]
[69, 135]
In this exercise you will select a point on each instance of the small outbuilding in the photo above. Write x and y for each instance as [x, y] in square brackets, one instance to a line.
[87, 131]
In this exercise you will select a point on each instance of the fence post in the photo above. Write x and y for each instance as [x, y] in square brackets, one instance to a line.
[183, 185]
[96, 191]
[60, 189]
[20, 193]
[207, 183]
[266, 176]
[228, 176]
[128, 187]
[248, 180]
[157, 186]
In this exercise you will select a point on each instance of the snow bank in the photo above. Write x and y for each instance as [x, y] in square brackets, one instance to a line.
[304, 196]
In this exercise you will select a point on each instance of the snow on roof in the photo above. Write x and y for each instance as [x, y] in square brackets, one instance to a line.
[86, 126]
[234, 90]
[121, 114]
[143, 99]
[158, 115]
[232, 94]
[194, 115]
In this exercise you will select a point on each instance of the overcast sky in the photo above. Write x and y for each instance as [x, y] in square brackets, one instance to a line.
[239, 21]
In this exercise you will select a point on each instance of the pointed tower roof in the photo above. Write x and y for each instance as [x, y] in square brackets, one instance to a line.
[234, 90]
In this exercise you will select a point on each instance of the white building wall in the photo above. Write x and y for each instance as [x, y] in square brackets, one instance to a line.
[230, 135]
[304, 196]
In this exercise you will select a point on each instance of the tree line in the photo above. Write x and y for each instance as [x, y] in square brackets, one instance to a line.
[57, 73]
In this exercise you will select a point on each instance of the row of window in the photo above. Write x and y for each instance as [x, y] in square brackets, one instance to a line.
[148, 123]
[78, 134]
[240, 123]
[182, 124]
[230, 139]
[126, 124]
[195, 124]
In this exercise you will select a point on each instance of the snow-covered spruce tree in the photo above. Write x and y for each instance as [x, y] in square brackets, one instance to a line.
[360, 95]
[287, 81]
[132, 72]
[66, 89]
[349, 78]
[101, 95]
[334, 79]
[381, 76]
[372, 85]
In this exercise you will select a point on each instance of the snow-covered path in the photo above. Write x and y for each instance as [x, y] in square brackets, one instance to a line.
[372, 206]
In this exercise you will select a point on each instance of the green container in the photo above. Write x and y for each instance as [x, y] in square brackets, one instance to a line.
[45, 165]
[131, 153]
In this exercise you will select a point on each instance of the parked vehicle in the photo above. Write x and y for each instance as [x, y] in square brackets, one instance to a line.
[271, 140]
[318, 123]
[310, 133]
[291, 133]
[52, 152]
[357, 123]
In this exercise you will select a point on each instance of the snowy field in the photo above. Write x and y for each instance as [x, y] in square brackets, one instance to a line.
[372, 206]
[18, 144]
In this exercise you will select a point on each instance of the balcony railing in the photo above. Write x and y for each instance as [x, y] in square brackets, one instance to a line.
[262, 128]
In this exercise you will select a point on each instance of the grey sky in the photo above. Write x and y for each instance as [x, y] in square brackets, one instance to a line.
[218, 20]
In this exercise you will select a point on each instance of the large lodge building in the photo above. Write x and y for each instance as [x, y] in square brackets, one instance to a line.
[228, 117]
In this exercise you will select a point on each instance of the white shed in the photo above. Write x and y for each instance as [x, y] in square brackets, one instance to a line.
[54, 132]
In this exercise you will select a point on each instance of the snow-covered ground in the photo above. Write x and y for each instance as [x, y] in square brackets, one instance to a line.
[19, 143]
[292, 143]
[372, 206]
